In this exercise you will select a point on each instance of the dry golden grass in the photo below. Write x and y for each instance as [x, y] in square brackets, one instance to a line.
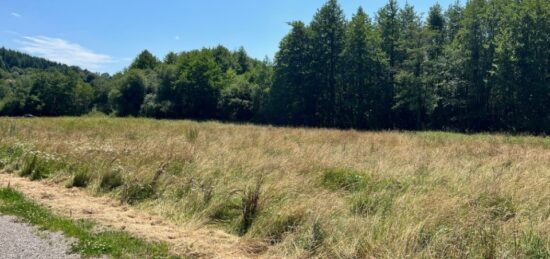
[324, 193]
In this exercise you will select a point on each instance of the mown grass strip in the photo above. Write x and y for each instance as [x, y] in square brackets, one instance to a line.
[116, 244]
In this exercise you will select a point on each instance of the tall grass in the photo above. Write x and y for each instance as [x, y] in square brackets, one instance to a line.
[324, 193]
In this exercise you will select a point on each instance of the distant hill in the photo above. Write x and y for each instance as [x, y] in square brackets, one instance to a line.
[11, 59]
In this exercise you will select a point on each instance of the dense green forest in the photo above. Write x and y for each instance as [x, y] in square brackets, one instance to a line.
[481, 66]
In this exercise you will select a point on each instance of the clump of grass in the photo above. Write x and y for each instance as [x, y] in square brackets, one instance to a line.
[239, 210]
[317, 237]
[377, 196]
[191, 134]
[372, 203]
[111, 180]
[225, 211]
[37, 168]
[91, 243]
[250, 207]
[495, 205]
[283, 223]
[136, 192]
[533, 245]
[344, 179]
[80, 179]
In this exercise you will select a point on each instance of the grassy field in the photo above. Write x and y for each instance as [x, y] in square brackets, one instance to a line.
[307, 192]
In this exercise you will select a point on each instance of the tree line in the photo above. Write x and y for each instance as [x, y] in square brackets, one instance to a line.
[481, 66]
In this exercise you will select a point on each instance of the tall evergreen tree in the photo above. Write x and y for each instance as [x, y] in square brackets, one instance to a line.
[292, 98]
[328, 30]
[365, 66]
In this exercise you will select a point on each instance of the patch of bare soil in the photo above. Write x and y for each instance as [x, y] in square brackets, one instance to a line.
[108, 213]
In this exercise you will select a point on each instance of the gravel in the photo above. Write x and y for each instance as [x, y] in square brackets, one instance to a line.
[20, 240]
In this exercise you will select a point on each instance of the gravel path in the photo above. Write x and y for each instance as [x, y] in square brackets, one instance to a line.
[20, 240]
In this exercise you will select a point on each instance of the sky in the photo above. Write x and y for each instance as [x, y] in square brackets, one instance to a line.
[106, 35]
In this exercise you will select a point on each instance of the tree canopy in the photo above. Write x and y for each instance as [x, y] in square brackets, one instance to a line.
[481, 66]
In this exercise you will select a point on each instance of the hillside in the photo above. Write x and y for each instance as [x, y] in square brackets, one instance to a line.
[305, 192]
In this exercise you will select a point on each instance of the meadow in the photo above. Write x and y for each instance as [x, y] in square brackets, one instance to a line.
[305, 192]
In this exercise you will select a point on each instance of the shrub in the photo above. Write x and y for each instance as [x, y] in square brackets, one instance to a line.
[343, 179]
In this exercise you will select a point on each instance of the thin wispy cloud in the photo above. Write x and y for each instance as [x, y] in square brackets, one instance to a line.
[65, 52]
[177, 38]
[17, 15]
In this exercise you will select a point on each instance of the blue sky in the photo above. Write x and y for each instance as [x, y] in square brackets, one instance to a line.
[104, 36]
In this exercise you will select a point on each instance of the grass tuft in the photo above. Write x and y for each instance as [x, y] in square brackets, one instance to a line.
[80, 179]
[344, 179]
[111, 180]
[136, 192]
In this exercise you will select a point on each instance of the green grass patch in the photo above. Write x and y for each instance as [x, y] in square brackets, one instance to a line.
[91, 243]
[344, 179]
[110, 180]
[80, 179]
[497, 206]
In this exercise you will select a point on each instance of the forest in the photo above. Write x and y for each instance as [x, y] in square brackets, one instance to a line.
[474, 67]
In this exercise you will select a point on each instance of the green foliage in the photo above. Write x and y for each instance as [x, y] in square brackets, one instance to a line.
[533, 245]
[91, 242]
[478, 66]
[129, 94]
[145, 60]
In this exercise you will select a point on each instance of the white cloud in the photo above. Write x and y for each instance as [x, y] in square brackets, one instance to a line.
[14, 14]
[65, 52]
